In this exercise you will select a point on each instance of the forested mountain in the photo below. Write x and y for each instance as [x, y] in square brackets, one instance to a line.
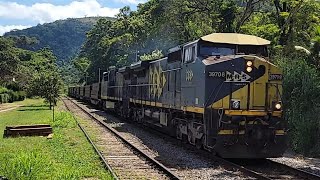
[64, 37]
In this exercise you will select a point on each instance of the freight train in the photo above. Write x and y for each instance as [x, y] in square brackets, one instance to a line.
[220, 93]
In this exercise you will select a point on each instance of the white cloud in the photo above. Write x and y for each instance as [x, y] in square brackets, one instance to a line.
[8, 28]
[131, 1]
[46, 12]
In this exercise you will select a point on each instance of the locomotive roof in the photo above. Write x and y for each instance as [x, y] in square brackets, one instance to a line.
[235, 38]
[139, 65]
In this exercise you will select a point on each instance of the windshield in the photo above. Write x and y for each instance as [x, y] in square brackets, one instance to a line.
[215, 51]
[226, 49]
[209, 49]
[250, 49]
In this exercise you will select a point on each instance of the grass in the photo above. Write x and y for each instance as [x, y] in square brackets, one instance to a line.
[67, 156]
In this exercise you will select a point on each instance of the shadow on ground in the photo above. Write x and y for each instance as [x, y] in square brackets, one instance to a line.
[36, 106]
[35, 109]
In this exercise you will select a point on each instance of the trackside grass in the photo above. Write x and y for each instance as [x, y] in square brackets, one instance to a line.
[68, 155]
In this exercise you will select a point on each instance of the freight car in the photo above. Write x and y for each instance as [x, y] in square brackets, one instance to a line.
[219, 93]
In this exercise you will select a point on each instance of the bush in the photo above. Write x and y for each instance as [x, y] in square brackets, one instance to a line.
[18, 95]
[4, 98]
[3, 90]
[62, 120]
[13, 86]
[8, 95]
[301, 90]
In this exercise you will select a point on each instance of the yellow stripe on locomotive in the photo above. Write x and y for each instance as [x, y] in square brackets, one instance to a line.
[258, 97]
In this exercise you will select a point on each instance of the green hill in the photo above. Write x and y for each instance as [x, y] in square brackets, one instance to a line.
[64, 37]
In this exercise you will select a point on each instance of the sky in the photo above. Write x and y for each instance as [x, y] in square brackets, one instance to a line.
[21, 14]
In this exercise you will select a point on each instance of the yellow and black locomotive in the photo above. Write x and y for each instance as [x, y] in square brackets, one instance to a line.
[219, 93]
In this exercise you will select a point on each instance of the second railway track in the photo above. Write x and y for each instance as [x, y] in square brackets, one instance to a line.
[123, 159]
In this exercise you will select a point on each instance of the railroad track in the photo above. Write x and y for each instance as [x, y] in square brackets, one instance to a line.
[300, 173]
[264, 169]
[269, 169]
[261, 169]
[123, 159]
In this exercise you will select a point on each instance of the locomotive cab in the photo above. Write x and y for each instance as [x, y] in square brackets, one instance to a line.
[240, 102]
[243, 97]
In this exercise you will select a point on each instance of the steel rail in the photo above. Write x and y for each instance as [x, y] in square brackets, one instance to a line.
[105, 163]
[159, 166]
[230, 164]
[227, 164]
[252, 173]
[243, 169]
[299, 172]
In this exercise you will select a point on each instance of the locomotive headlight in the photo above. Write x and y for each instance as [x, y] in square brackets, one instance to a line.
[249, 69]
[278, 106]
[249, 63]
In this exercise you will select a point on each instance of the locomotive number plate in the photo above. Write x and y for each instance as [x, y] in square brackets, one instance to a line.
[231, 76]
[217, 74]
[275, 77]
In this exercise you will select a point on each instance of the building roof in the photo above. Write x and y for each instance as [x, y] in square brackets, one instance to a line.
[235, 38]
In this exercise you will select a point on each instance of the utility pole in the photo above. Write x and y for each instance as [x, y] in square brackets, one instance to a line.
[137, 54]
[86, 78]
[53, 113]
[99, 75]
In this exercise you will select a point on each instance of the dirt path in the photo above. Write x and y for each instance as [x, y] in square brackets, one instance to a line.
[5, 108]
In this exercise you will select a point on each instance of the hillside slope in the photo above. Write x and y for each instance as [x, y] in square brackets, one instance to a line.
[64, 37]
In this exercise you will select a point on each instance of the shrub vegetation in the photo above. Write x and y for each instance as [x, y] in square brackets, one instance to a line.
[301, 92]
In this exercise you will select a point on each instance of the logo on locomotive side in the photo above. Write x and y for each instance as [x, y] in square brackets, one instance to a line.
[231, 77]
[189, 75]
[157, 80]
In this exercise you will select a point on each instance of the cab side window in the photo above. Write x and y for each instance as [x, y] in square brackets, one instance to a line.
[106, 77]
[190, 54]
[174, 56]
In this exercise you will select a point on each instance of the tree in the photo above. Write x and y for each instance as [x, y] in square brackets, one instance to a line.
[316, 47]
[9, 60]
[81, 65]
[46, 81]
[301, 90]
[156, 54]
[46, 85]
[250, 7]
[23, 41]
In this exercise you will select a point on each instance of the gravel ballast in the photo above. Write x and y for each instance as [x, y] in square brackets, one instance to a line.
[297, 161]
[185, 163]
